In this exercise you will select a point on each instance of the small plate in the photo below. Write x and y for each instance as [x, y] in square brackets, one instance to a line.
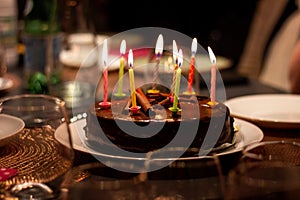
[9, 126]
[247, 133]
[78, 59]
[5, 83]
[267, 110]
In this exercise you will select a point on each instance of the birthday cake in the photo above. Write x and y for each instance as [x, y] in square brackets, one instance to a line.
[154, 118]
[154, 126]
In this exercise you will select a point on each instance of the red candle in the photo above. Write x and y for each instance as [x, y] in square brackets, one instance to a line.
[213, 76]
[192, 66]
[105, 86]
[105, 104]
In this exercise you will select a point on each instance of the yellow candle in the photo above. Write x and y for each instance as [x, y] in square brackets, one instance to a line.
[131, 79]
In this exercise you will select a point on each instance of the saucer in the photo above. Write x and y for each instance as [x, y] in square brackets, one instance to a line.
[5, 83]
[9, 126]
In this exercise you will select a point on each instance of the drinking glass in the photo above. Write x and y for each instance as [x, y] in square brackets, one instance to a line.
[267, 170]
[3, 67]
[95, 180]
[34, 152]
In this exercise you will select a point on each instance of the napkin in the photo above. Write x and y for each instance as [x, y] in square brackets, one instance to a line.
[6, 173]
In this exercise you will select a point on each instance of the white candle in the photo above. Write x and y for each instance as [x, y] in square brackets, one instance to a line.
[158, 53]
[175, 60]
[213, 75]
[177, 81]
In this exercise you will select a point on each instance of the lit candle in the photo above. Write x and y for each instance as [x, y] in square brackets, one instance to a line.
[131, 81]
[192, 66]
[105, 104]
[158, 53]
[175, 60]
[213, 76]
[175, 108]
[121, 70]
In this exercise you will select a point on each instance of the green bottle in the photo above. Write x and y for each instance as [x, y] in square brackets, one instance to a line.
[42, 41]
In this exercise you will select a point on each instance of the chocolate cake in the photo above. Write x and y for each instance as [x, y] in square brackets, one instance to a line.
[154, 126]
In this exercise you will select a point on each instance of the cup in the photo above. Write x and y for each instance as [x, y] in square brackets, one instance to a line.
[81, 51]
[42, 66]
[267, 170]
[34, 152]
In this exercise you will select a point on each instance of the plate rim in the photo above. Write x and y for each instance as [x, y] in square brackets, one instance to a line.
[75, 126]
[259, 120]
[12, 133]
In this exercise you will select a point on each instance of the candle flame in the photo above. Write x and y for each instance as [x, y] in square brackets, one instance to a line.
[123, 47]
[104, 53]
[159, 45]
[194, 46]
[180, 58]
[212, 56]
[130, 58]
[175, 52]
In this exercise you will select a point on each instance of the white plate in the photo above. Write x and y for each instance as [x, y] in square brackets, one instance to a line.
[9, 126]
[87, 58]
[202, 64]
[248, 133]
[78, 59]
[5, 83]
[84, 54]
[268, 110]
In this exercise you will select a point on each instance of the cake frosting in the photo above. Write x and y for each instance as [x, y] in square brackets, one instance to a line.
[154, 126]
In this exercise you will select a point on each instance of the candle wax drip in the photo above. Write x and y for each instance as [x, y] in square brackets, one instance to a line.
[105, 104]
[134, 110]
[191, 74]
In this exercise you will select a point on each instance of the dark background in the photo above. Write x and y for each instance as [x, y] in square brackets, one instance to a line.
[220, 24]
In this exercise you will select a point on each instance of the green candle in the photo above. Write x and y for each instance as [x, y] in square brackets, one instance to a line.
[177, 86]
[175, 108]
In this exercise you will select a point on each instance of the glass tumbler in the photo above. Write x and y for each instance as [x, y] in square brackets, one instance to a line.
[34, 153]
[268, 170]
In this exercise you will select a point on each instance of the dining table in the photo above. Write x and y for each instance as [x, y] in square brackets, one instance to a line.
[161, 184]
